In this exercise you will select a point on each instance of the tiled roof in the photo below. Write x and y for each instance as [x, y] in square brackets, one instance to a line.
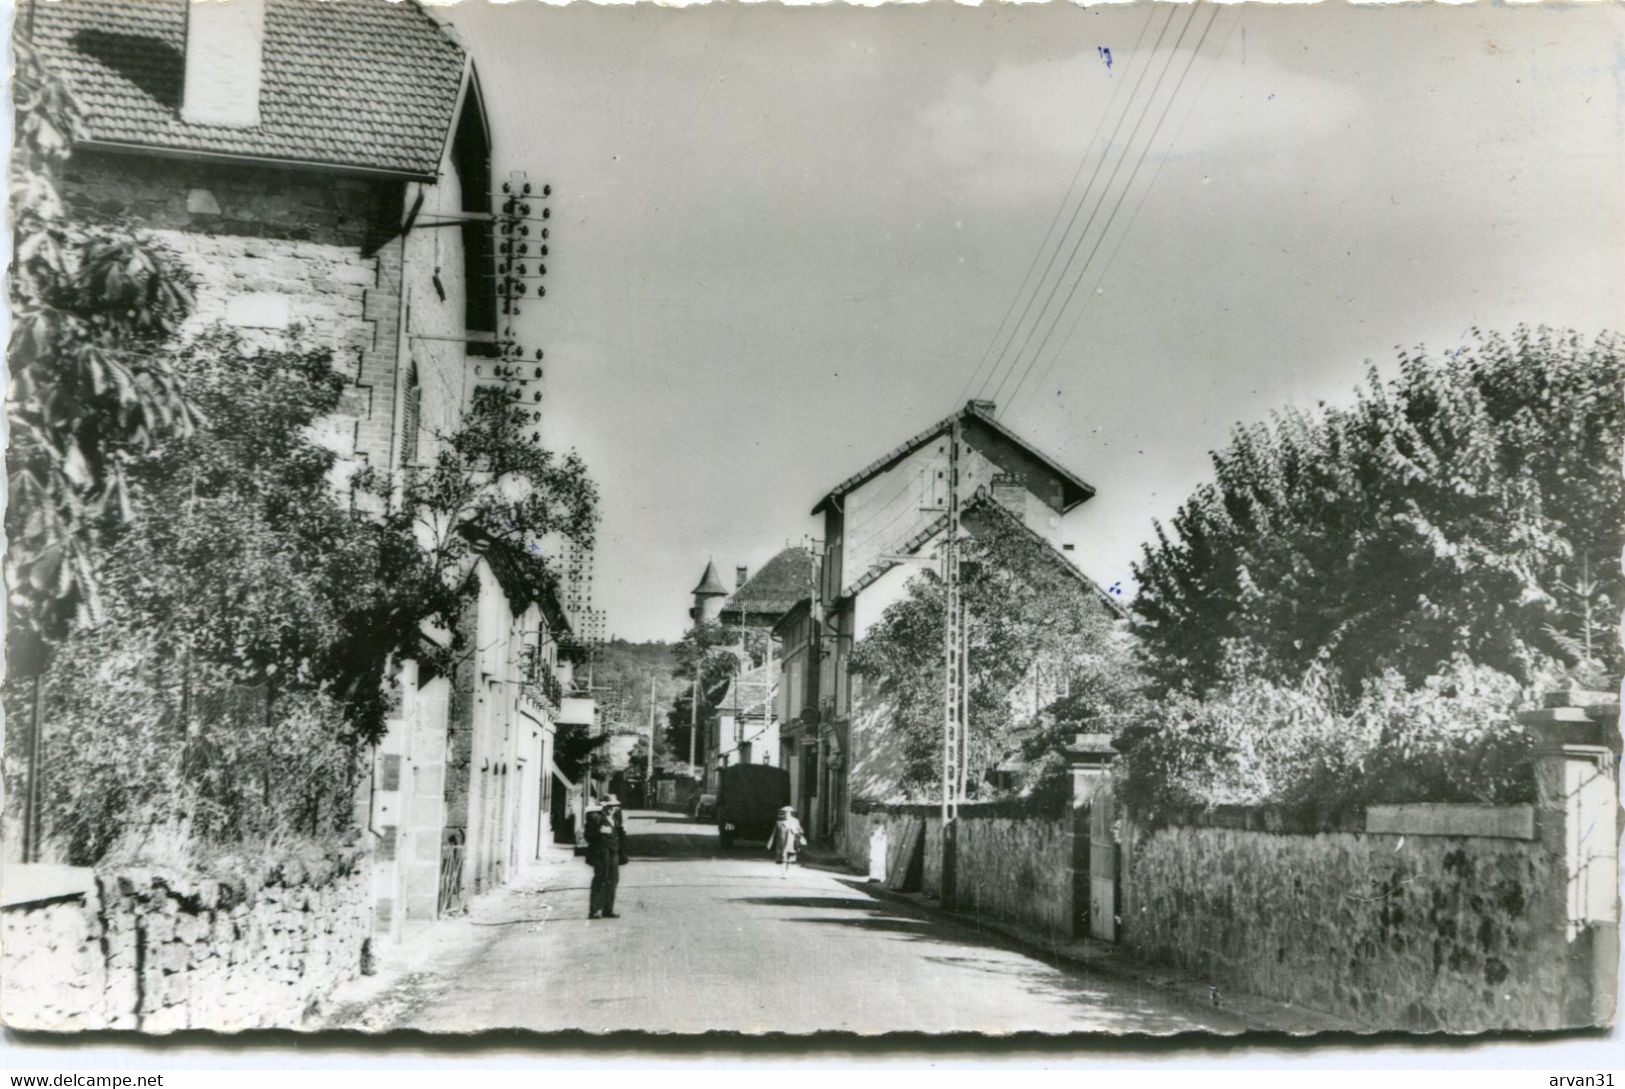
[1074, 490]
[782, 581]
[358, 84]
[753, 689]
[710, 585]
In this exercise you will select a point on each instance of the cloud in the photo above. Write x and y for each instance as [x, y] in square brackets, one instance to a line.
[1018, 132]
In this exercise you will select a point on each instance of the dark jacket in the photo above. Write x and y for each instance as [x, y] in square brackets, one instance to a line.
[606, 839]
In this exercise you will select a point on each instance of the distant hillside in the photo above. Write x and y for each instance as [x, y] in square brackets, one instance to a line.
[620, 677]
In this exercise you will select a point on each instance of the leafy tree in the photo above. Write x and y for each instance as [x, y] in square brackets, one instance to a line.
[1044, 659]
[90, 389]
[249, 614]
[1470, 506]
[717, 653]
[242, 554]
[491, 481]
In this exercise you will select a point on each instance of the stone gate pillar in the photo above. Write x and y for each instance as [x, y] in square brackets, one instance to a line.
[1577, 817]
[1094, 847]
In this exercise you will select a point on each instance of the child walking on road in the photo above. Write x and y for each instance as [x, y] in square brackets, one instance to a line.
[787, 839]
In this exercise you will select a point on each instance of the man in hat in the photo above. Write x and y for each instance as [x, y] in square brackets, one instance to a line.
[606, 853]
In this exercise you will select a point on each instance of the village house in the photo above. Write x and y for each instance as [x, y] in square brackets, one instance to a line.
[323, 172]
[746, 727]
[880, 525]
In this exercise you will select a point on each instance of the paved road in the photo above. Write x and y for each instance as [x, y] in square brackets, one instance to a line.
[717, 940]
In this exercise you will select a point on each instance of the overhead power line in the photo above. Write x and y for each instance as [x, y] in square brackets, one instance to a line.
[1134, 216]
[1105, 154]
[1066, 198]
[1128, 147]
[1122, 196]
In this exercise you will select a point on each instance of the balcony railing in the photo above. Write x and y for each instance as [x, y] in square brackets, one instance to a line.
[551, 688]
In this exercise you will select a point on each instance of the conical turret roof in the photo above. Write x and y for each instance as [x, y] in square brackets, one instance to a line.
[710, 585]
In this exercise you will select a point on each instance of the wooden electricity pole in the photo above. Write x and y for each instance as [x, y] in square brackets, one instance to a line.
[694, 715]
[649, 757]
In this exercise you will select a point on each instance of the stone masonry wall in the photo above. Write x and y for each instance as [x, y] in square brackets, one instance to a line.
[270, 248]
[1014, 867]
[155, 953]
[1460, 933]
[1017, 868]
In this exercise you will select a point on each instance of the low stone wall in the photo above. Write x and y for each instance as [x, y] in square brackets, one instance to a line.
[1421, 931]
[145, 950]
[865, 819]
[1016, 867]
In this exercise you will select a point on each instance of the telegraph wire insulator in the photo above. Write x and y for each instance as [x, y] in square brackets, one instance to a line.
[543, 251]
[527, 187]
[544, 232]
[547, 190]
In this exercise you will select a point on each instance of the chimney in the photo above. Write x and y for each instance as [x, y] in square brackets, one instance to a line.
[1010, 493]
[225, 52]
[741, 574]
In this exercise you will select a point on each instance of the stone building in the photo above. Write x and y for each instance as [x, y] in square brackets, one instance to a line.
[879, 525]
[708, 594]
[746, 726]
[323, 172]
[283, 152]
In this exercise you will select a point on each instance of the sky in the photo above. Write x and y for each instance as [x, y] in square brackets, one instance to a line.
[785, 239]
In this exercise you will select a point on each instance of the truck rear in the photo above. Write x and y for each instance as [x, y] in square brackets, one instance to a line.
[749, 797]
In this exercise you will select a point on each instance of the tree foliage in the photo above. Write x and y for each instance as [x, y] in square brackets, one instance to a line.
[716, 653]
[242, 552]
[1044, 658]
[249, 614]
[489, 480]
[1309, 748]
[1472, 505]
[90, 387]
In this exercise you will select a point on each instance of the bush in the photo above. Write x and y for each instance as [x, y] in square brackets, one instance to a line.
[1250, 741]
[122, 763]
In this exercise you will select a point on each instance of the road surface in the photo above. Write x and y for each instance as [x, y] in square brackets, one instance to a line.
[714, 940]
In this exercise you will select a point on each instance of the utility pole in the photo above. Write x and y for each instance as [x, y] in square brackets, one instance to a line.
[954, 701]
[694, 714]
[955, 704]
[649, 757]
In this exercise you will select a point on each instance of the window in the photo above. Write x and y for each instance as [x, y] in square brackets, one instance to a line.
[471, 156]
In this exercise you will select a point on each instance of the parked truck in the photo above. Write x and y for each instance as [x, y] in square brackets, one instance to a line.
[749, 797]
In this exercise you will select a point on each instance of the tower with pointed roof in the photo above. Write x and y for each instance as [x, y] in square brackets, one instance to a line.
[708, 596]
